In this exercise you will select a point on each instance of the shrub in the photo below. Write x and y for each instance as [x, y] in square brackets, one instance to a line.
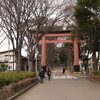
[11, 77]
[3, 67]
[96, 72]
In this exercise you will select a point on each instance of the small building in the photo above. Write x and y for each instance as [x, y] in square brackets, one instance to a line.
[8, 58]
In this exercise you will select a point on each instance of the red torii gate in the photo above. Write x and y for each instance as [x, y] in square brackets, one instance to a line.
[75, 42]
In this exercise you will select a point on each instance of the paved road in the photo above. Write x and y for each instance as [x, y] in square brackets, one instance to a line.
[63, 89]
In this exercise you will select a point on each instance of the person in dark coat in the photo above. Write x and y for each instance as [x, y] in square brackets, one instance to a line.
[42, 75]
[49, 74]
[63, 71]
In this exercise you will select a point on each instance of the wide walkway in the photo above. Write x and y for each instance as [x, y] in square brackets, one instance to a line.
[63, 89]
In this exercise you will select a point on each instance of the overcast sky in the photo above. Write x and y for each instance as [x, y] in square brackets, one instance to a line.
[5, 45]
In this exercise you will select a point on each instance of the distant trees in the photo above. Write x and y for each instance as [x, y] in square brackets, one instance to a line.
[63, 59]
[87, 14]
[69, 54]
[52, 58]
[60, 56]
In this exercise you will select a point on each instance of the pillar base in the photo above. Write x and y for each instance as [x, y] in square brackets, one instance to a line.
[76, 68]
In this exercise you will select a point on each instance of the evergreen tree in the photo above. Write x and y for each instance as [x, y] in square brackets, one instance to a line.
[87, 14]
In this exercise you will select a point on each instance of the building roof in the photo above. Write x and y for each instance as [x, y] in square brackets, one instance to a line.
[56, 32]
[6, 51]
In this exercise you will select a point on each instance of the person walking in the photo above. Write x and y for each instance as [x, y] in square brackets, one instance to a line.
[42, 75]
[49, 74]
[63, 71]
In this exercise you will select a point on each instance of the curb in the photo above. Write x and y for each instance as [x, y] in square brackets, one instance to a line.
[22, 91]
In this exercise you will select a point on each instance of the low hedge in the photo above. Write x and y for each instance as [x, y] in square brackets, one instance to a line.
[96, 72]
[10, 77]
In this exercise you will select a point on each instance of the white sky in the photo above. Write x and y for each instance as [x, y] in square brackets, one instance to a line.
[6, 46]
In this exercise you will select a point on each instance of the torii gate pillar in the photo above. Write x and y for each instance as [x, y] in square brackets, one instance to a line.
[43, 59]
[76, 57]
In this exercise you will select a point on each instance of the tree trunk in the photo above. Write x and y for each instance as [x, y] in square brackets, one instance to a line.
[30, 60]
[94, 61]
[18, 59]
[30, 64]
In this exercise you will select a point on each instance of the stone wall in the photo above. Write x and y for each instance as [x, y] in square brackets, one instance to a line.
[94, 77]
[13, 88]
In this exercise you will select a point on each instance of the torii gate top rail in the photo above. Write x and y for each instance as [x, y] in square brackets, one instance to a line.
[58, 35]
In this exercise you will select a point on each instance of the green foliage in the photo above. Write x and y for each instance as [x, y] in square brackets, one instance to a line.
[11, 77]
[62, 56]
[96, 72]
[3, 66]
[66, 45]
[87, 14]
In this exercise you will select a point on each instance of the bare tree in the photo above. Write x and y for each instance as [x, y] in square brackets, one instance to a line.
[21, 18]
[14, 14]
[69, 20]
[45, 16]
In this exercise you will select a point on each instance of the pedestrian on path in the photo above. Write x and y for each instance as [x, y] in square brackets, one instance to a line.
[49, 74]
[42, 75]
[63, 71]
